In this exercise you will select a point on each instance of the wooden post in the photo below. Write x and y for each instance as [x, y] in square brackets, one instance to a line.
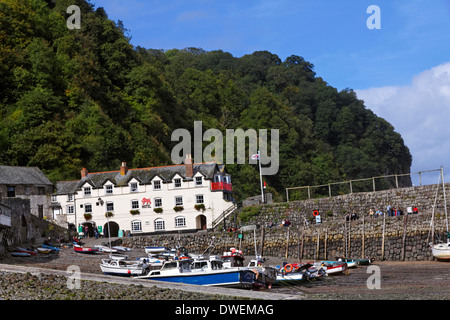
[382, 237]
[362, 238]
[318, 246]
[287, 244]
[325, 244]
[349, 237]
[262, 242]
[405, 221]
[301, 248]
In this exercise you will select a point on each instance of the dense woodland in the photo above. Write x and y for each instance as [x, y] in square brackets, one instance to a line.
[88, 98]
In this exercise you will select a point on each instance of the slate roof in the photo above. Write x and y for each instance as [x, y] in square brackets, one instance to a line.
[23, 176]
[144, 176]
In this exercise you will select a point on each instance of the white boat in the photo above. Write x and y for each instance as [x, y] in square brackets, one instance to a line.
[204, 273]
[103, 248]
[153, 250]
[441, 251]
[298, 272]
[121, 248]
[123, 267]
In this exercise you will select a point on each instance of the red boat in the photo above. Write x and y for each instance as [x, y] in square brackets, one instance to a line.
[26, 250]
[80, 249]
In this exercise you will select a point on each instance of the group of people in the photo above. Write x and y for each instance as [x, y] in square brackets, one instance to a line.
[392, 211]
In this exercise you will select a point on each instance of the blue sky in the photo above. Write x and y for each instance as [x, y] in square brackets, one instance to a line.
[390, 68]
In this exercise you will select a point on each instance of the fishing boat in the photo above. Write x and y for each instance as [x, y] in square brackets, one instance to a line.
[89, 250]
[265, 276]
[181, 271]
[123, 267]
[441, 251]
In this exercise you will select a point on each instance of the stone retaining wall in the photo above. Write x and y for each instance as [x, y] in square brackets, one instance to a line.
[403, 237]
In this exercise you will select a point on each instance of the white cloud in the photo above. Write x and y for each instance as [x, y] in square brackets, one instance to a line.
[420, 112]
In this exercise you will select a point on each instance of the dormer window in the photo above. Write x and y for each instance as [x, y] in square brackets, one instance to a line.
[177, 183]
[109, 189]
[133, 187]
[157, 185]
[198, 181]
[87, 191]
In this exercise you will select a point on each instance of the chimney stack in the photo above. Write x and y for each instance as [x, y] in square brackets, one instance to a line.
[84, 173]
[123, 169]
[189, 166]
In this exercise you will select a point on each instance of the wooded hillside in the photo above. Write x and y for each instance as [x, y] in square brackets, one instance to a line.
[87, 98]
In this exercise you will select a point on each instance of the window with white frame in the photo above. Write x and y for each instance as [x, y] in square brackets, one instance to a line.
[177, 183]
[159, 224]
[54, 198]
[157, 185]
[178, 201]
[87, 191]
[109, 189]
[70, 209]
[198, 181]
[134, 204]
[87, 208]
[180, 222]
[110, 206]
[133, 187]
[136, 226]
[199, 199]
[70, 197]
[158, 202]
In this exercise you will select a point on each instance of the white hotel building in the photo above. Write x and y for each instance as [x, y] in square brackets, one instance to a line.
[185, 197]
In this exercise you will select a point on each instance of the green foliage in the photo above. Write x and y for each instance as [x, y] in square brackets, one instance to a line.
[248, 213]
[87, 98]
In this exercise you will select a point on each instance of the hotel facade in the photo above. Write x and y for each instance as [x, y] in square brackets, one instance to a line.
[185, 197]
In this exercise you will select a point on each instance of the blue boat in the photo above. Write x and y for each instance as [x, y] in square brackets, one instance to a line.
[210, 274]
[50, 247]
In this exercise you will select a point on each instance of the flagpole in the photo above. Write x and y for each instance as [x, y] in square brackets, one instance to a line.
[260, 177]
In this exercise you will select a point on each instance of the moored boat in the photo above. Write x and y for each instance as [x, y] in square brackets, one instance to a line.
[50, 247]
[333, 267]
[103, 248]
[32, 252]
[123, 268]
[181, 271]
[89, 250]
[441, 251]
[20, 254]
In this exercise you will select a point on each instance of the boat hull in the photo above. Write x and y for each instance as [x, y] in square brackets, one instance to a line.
[214, 278]
[441, 251]
[86, 250]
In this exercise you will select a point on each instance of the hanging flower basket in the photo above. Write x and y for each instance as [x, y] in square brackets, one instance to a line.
[178, 208]
[87, 216]
[158, 210]
[199, 207]
[109, 214]
[133, 212]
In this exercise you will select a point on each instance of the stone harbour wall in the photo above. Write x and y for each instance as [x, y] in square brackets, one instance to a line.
[404, 237]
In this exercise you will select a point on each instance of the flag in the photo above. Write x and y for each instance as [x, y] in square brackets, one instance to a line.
[255, 157]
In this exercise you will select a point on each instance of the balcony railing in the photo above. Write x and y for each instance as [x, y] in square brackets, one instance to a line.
[221, 186]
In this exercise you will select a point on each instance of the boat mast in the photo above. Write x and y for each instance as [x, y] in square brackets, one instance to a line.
[445, 203]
